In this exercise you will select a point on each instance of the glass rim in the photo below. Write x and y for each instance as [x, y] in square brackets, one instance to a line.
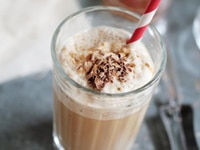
[92, 91]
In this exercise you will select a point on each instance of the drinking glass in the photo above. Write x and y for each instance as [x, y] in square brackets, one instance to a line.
[85, 119]
[196, 28]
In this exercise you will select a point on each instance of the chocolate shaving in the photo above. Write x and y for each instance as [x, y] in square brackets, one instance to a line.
[105, 69]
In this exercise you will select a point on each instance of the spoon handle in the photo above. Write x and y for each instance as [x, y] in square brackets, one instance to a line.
[188, 127]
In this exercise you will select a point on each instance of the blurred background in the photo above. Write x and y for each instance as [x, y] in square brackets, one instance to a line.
[26, 29]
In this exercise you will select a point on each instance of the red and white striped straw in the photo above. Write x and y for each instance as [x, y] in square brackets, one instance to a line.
[144, 21]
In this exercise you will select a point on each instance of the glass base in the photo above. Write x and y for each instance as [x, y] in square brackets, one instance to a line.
[56, 143]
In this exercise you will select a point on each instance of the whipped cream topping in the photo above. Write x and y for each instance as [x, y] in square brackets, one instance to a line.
[100, 59]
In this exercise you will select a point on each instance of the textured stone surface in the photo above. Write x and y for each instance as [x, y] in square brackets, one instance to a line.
[25, 77]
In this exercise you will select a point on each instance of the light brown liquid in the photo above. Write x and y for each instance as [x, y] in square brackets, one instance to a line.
[77, 132]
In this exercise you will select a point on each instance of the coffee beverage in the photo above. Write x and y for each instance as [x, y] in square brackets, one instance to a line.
[102, 85]
[78, 132]
[100, 60]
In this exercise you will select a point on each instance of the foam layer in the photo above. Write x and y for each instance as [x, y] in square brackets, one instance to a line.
[100, 59]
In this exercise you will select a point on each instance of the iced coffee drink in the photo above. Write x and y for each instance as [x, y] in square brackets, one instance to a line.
[102, 85]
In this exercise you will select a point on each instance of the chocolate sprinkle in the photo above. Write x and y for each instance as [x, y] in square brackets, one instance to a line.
[105, 69]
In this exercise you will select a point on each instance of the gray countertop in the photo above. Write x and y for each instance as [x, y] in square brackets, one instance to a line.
[26, 88]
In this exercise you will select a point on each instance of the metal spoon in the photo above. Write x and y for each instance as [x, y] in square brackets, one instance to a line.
[177, 118]
[188, 127]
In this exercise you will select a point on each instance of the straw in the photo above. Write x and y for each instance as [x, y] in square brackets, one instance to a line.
[144, 21]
